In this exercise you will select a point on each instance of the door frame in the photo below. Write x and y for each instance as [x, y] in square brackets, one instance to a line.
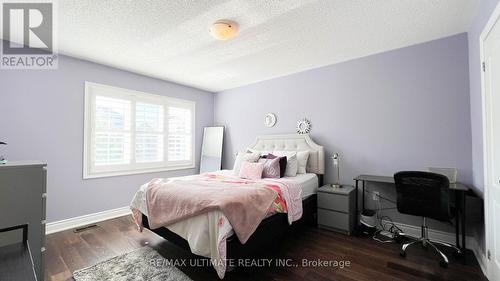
[494, 17]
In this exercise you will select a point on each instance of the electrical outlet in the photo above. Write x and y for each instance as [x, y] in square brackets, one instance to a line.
[376, 195]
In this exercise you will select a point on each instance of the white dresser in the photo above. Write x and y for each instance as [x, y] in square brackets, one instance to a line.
[22, 201]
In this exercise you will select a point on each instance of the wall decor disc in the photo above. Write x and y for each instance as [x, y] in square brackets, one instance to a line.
[270, 120]
[303, 126]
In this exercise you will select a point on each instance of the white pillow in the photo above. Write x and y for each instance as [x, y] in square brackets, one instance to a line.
[291, 162]
[302, 157]
[261, 153]
[244, 157]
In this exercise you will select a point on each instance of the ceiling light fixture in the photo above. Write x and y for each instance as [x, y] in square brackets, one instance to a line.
[223, 29]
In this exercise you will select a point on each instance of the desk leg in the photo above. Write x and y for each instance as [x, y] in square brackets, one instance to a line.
[463, 224]
[363, 195]
[458, 218]
[357, 199]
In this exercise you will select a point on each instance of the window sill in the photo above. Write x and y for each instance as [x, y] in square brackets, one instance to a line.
[134, 172]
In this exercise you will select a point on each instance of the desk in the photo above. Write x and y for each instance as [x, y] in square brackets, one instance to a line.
[458, 188]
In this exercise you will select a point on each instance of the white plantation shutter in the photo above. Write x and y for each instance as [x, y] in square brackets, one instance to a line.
[179, 134]
[129, 132]
[112, 131]
[150, 133]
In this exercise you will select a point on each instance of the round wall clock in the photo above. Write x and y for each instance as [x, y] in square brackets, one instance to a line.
[303, 126]
[270, 120]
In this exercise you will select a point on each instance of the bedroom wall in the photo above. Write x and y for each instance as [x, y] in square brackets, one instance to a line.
[42, 119]
[398, 110]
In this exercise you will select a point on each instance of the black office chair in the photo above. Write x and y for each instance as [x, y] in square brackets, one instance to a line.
[427, 195]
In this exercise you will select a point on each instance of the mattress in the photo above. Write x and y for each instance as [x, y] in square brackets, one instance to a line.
[308, 182]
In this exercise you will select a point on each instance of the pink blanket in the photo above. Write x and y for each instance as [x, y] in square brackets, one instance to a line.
[245, 203]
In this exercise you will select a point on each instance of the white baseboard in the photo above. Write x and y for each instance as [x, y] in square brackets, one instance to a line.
[61, 225]
[480, 255]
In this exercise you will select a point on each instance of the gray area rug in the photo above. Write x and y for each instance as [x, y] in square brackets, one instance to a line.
[139, 265]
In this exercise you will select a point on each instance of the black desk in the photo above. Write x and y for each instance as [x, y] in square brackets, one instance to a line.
[458, 188]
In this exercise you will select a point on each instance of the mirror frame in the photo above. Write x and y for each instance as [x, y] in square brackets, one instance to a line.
[203, 141]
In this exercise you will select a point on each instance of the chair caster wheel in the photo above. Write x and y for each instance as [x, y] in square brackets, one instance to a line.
[443, 264]
[402, 253]
[458, 254]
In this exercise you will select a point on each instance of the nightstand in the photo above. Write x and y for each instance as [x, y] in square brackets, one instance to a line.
[337, 208]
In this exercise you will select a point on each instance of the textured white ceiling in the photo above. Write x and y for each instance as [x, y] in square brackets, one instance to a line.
[170, 39]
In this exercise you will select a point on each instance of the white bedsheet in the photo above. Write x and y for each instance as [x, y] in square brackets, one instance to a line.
[308, 182]
[203, 232]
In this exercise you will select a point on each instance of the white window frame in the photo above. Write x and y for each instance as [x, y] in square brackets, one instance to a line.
[90, 171]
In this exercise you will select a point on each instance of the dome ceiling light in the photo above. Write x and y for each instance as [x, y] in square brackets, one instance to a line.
[223, 29]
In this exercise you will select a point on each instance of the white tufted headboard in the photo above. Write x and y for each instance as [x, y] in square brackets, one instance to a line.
[270, 143]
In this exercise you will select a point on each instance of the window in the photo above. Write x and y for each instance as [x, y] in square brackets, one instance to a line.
[129, 132]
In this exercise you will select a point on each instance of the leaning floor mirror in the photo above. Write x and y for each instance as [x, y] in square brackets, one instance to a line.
[211, 149]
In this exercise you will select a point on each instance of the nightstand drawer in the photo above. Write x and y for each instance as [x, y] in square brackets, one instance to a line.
[331, 201]
[333, 219]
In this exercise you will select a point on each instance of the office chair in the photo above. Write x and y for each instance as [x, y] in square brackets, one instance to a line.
[427, 195]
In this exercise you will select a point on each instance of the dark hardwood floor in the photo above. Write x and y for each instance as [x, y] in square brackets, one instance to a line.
[369, 260]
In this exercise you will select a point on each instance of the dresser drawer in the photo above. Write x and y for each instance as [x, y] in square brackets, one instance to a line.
[333, 219]
[331, 201]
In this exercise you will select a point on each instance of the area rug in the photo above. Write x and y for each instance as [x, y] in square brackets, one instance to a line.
[143, 264]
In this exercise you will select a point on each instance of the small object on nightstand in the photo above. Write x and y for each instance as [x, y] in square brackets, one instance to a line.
[337, 208]
[336, 169]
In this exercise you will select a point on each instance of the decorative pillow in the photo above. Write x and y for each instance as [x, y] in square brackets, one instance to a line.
[244, 157]
[291, 162]
[302, 157]
[261, 153]
[271, 168]
[251, 171]
[282, 163]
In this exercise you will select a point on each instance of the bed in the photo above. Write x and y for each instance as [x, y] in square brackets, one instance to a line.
[192, 234]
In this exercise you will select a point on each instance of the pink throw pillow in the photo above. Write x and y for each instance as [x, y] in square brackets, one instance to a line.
[271, 168]
[251, 171]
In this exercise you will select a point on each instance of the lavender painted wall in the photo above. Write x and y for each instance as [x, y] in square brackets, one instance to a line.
[485, 9]
[402, 109]
[42, 119]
